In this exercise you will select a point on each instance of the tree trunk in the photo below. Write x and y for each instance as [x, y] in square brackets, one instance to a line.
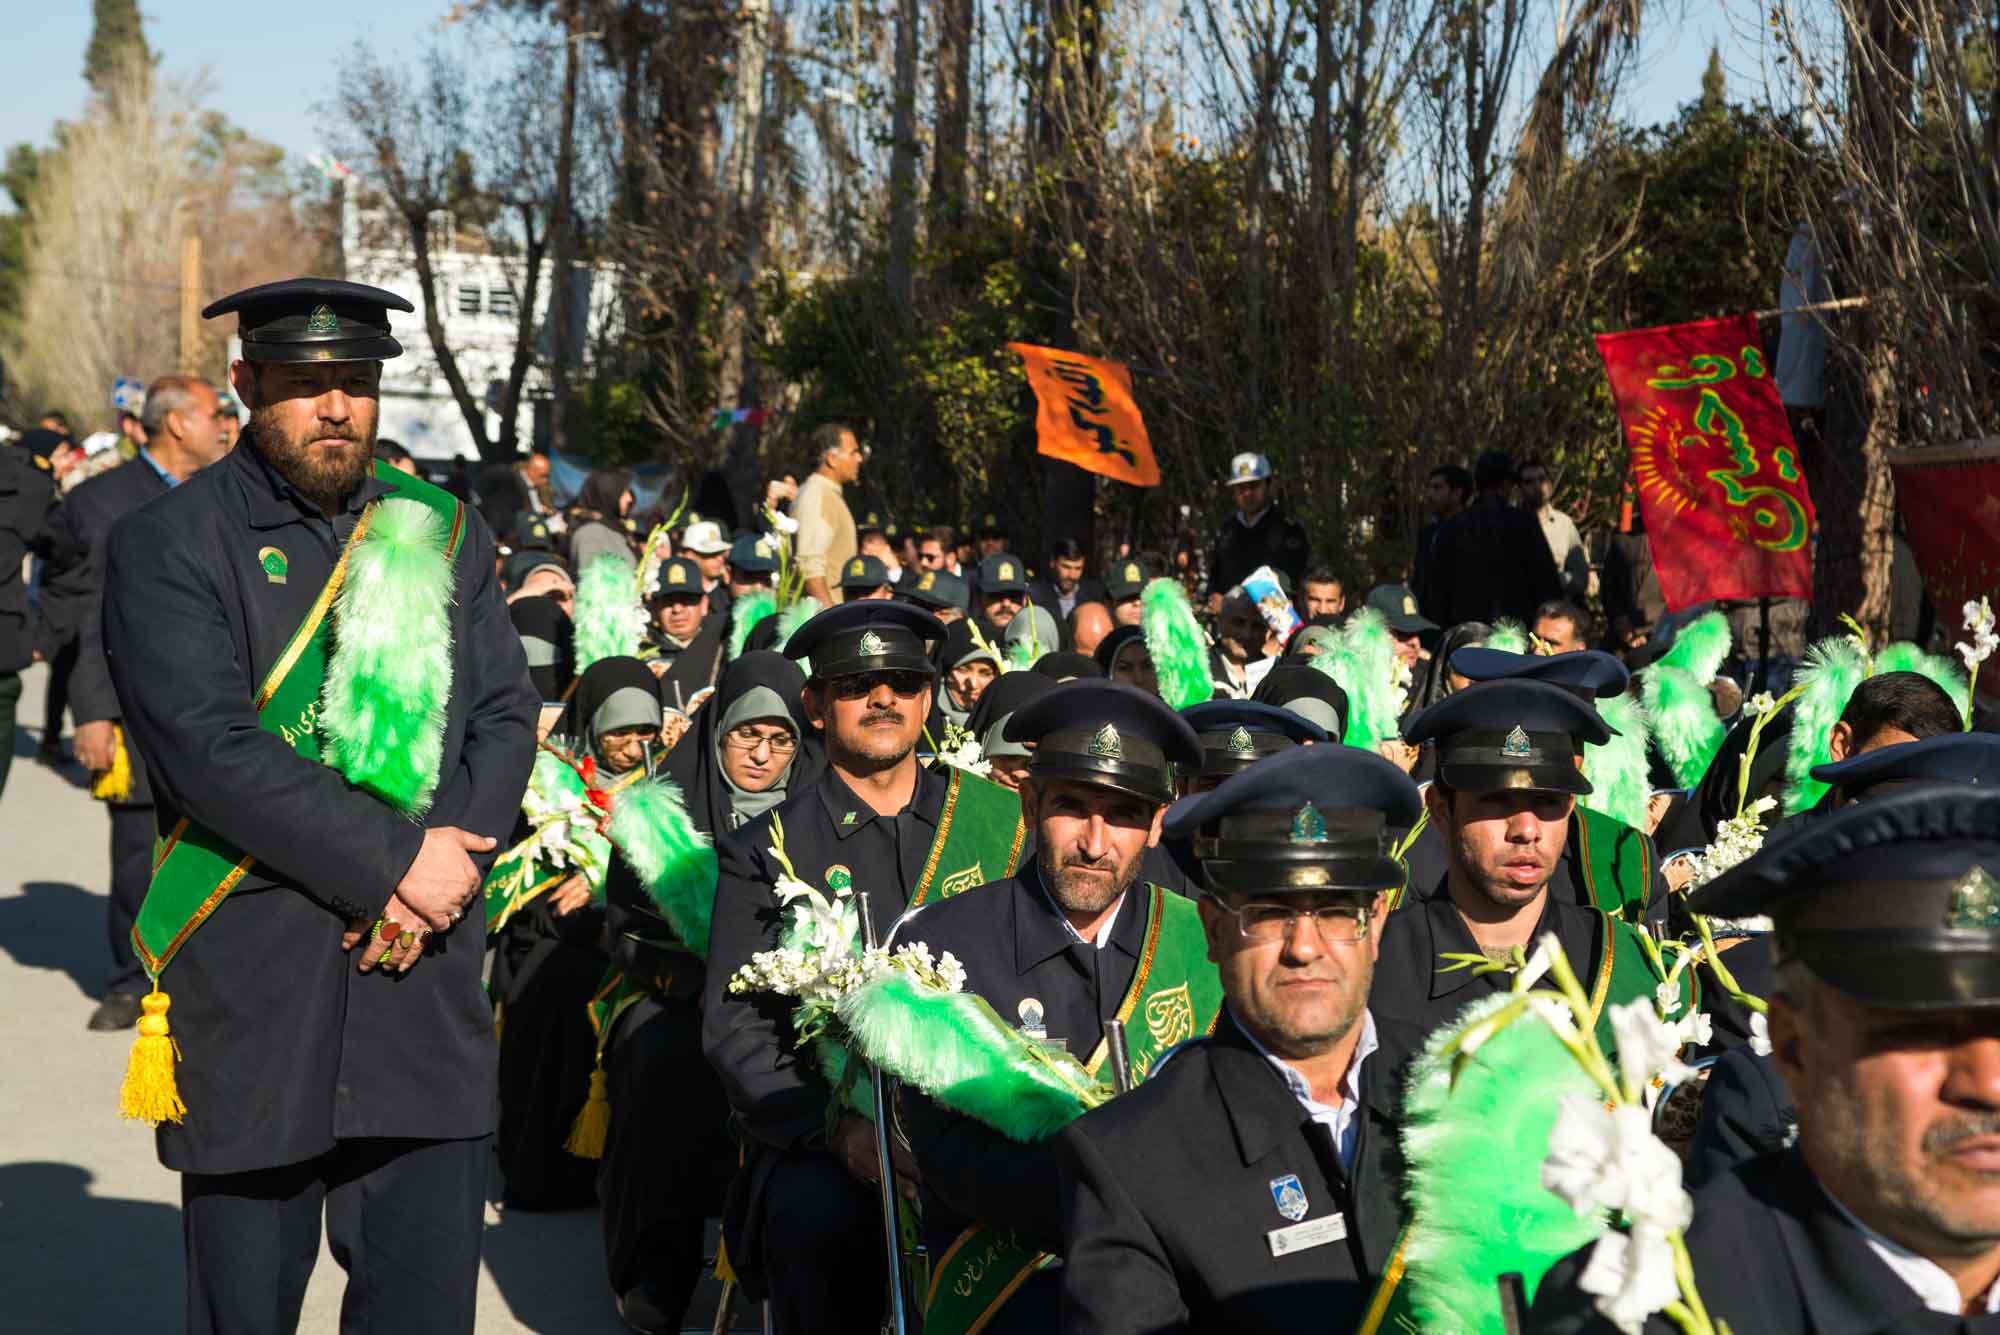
[903, 169]
[417, 224]
[952, 95]
[562, 240]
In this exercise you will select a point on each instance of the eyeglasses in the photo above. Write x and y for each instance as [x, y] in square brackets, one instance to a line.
[747, 738]
[1337, 923]
[902, 681]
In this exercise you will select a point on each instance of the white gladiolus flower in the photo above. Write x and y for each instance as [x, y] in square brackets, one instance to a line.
[1630, 1277]
[1667, 997]
[1979, 623]
[1646, 1046]
[1759, 704]
[1609, 1159]
[1697, 1028]
[1735, 840]
[1547, 947]
[1760, 1033]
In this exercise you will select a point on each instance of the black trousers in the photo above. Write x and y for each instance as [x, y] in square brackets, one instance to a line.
[668, 1157]
[10, 701]
[55, 703]
[131, 870]
[823, 1250]
[403, 1219]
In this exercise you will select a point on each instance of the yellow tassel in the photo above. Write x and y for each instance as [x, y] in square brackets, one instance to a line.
[724, 1271]
[115, 784]
[593, 1121]
[148, 1094]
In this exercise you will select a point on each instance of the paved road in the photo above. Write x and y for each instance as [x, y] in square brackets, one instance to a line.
[89, 1221]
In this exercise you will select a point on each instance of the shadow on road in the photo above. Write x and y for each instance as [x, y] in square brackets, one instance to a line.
[55, 925]
[27, 740]
[549, 1268]
[76, 1264]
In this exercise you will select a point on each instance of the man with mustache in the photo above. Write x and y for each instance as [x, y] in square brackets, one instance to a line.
[1509, 773]
[1247, 1183]
[804, 1223]
[1884, 1216]
[335, 1043]
[1074, 939]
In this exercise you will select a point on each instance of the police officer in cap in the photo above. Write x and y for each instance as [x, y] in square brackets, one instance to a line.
[1075, 938]
[803, 1222]
[1245, 1186]
[865, 577]
[1509, 773]
[1257, 534]
[1885, 1215]
[336, 1044]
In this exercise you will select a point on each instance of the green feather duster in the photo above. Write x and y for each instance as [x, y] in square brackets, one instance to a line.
[1175, 640]
[1363, 661]
[609, 617]
[1508, 635]
[382, 707]
[1675, 689]
[1833, 668]
[1478, 1209]
[1902, 656]
[744, 614]
[953, 1047]
[1617, 769]
[804, 609]
[676, 862]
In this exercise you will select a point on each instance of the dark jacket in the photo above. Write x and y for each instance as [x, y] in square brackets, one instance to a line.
[1015, 947]
[1746, 1111]
[1168, 1194]
[286, 1048]
[26, 491]
[1042, 593]
[73, 592]
[1408, 986]
[1275, 540]
[1773, 1254]
[1490, 561]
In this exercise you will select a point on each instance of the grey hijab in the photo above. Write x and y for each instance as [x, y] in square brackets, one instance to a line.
[759, 703]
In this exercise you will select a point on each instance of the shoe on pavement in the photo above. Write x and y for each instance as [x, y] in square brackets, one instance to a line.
[118, 1010]
[639, 1307]
[51, 755]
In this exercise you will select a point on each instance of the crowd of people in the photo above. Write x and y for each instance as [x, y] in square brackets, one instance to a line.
[1093, 942]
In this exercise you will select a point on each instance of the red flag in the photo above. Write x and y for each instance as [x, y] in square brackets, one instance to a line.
[1087, 414]
[1950, 500]
[1720, 484]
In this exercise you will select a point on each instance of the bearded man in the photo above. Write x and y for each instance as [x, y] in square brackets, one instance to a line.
[311, 652]
[1077, 937]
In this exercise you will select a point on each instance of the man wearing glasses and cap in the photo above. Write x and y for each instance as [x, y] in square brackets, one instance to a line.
[1884, 1215]
[804, 1222]
[331, 774]
[1077, 937]
[1245, 1186]
[1509, 773]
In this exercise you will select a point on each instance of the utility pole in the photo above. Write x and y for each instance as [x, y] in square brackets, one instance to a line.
[190, 304]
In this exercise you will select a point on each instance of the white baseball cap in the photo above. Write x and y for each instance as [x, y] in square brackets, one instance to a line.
[1248, 468]
[704, 538]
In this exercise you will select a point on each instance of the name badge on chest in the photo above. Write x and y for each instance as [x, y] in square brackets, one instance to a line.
[1312, 1233]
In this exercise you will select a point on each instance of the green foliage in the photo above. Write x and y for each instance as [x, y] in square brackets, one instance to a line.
[117, 33]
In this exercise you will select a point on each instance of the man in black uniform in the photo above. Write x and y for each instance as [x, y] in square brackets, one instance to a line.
[1509, 774]
[1885, 1216]
[1245, 1187]
[803, 1222]
[1077, 937]
[27, 487]
[1258, 534]
[316, 1081]
[1487, 563]
[184, 435]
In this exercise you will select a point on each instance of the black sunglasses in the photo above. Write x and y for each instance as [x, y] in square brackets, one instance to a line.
[903, 682]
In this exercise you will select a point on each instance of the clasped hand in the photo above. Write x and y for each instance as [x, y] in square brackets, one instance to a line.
[431, 897]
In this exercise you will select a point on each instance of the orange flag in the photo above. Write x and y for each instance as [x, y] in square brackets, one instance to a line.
[1087, 415]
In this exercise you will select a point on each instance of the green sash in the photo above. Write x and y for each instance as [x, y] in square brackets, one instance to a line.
[978, 838]
[1621, 974]
[1617, 863]
[1176, 995]
[194, 869]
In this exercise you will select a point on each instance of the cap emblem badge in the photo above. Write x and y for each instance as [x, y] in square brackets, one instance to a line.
[763, 547]
[924, 584]
[274, 564]
[871, 645]
[322, 321]
[1289, 1195]
[1006, 570]
[1975, 902]
[855, 567]
[1107, 743]
[1516, 747]
[1409, 606]
[1131, 574]
[677, 575]
[1240, 743]
[1308, 826]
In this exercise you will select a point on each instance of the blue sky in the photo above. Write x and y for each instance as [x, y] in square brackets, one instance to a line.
[268, 63]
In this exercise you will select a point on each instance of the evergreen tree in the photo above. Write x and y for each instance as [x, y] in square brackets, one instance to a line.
[1714, 85]
[116, 30]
